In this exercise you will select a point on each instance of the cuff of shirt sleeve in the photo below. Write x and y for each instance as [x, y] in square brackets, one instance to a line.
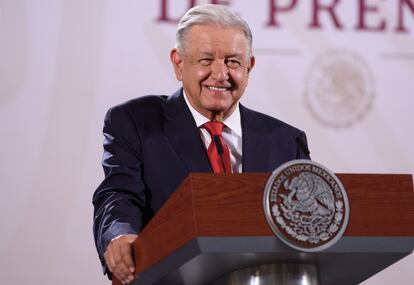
[116, 229]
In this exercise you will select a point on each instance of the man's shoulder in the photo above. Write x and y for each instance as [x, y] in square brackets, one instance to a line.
[263, 122]
[146, 107]
[143, 103]
[149, 103]
[137, 110]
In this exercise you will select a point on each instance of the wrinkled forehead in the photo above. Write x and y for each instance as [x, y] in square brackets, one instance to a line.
[210, 38]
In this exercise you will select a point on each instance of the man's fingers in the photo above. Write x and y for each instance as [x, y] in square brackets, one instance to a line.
[108, 260]
[114, 261]
[119, 258]
[121, 269]
[126, 254]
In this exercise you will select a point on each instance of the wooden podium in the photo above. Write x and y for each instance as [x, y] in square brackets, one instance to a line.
[215, 224]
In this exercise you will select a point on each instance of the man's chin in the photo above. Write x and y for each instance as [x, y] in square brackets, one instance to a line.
[221, 110]
[218, 108]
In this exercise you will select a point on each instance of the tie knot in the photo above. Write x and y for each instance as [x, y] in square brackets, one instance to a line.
[214, 128]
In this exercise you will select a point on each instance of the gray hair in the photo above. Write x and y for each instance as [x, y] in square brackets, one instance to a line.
[211, 14]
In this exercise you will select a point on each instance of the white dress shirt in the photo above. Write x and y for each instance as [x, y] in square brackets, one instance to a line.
[232, 134]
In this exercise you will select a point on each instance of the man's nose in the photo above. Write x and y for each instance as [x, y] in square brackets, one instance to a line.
[219, 71]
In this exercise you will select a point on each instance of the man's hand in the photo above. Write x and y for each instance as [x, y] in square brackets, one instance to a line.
[119, 259]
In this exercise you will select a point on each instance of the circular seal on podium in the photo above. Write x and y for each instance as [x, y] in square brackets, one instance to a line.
[306, 205]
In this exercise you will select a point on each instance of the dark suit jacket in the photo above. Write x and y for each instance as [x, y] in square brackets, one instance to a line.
[152, 143]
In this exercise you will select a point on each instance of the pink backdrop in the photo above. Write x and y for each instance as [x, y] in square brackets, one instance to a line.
[343, 73]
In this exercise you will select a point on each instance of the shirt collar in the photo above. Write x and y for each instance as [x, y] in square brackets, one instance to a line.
[233, 121]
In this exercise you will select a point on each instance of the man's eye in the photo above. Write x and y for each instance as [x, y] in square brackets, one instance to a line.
[205, 61]
[232, 63]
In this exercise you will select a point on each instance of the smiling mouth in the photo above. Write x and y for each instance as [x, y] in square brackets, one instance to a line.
[218, 89]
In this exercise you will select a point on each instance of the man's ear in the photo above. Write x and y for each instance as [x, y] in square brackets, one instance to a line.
[251, 63]
[177, 63]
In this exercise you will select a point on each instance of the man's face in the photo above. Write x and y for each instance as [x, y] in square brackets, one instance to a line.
[214, 69]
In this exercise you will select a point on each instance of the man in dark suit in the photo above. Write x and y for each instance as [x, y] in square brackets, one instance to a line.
[152, 143]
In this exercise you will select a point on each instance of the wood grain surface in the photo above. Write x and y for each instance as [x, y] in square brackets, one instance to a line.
[232, 205]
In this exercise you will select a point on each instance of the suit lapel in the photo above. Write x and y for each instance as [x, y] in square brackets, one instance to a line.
[256, 143]
[183, 134]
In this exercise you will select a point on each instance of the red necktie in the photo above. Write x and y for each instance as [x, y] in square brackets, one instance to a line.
[218, 152]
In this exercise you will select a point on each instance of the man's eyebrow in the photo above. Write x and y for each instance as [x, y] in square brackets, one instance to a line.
[205, 53]
[209, 54]
[235, 55]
